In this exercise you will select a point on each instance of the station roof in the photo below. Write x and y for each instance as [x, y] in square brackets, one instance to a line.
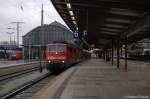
[106, 20]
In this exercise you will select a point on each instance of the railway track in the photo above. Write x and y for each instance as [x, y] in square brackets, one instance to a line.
[11, 72]
[18, 73]
[21, 82]
[28, 89]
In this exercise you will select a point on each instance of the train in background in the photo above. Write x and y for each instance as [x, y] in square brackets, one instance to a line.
[139, 54]
[60, 56]
[16, 54]
[3, 53]
[10, 52]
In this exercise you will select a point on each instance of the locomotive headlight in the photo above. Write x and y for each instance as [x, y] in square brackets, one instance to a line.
[49, 61]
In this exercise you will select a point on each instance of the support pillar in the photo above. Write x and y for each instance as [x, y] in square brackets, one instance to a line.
[105, 55]
[118, 53]
[121, 52]
[23, 54]
[112, 53]
[109, 55]
[126, 55]
[40, 56]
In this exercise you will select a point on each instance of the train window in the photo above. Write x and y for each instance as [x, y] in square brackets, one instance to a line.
[56, 48]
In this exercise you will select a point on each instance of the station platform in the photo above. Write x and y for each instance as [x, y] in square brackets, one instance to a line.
[96, 79]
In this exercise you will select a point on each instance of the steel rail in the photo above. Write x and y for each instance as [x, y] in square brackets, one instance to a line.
[24, 87]
[18, 73]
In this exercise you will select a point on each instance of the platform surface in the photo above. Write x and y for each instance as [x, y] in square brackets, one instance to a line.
[96, 79]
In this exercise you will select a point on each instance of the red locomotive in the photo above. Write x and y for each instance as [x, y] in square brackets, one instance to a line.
[60, 56]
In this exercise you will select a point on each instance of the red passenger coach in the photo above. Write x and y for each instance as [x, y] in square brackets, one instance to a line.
[60, 56]
[16, 54]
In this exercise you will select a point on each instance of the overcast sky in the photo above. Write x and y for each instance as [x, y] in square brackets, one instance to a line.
[28, 11]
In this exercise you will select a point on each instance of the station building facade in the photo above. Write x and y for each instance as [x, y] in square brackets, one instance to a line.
[41, 36]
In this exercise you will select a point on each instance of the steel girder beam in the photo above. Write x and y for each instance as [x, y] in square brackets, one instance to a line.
[104, 4]
[139, 26]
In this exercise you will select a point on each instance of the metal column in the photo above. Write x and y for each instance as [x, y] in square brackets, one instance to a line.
[112, 53]
[118, 53]
[126, 54]
[109, 55]
[103, 55]
[40, 56]
[121, 51]
[23, 52]
[106, 55]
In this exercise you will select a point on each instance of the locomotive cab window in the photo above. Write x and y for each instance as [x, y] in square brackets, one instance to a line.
[56, 48]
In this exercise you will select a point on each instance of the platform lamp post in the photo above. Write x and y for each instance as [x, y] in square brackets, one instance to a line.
[30, 38]
[42, 38]
[11, 28]
[23, 49]
[10, 33]
[126, 48]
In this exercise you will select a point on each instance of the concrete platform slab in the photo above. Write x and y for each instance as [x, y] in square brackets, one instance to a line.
[96, 79]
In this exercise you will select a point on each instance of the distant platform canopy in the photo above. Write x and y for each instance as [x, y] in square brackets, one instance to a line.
[107, 20]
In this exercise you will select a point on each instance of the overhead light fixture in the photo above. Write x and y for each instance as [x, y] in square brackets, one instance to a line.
[74, 22]
[73, 18]
[77, 28]
[68, 5]
[71, 13]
